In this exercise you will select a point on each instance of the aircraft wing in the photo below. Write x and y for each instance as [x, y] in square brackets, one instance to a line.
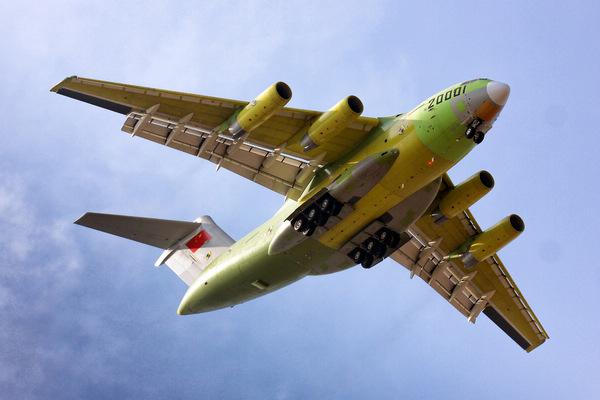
[486, 288]
[195, 125]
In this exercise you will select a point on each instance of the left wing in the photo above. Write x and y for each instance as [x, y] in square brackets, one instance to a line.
[486, 288]
[198, 125]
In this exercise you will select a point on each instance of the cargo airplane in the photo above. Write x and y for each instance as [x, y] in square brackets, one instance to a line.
[357, 190]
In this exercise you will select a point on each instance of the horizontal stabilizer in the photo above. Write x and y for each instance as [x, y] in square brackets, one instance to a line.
[159, 233]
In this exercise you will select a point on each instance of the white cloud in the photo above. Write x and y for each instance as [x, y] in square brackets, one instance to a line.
[32, 247]
[16, 235]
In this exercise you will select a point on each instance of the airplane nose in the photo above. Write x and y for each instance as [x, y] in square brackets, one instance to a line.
[498, 92]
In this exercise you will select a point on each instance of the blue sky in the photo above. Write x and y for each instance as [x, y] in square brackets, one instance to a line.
[86, 315]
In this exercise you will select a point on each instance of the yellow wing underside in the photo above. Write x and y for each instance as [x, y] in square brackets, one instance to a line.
[486, 288]
[185, 122]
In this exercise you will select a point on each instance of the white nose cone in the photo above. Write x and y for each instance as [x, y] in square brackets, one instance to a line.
[498, 92]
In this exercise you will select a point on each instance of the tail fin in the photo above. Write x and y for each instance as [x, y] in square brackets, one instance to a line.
[191, 255]
[189, 246]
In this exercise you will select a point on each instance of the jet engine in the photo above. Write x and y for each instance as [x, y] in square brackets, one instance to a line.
[260, 109]
[331, 122]
[463, 196]
[483, 245]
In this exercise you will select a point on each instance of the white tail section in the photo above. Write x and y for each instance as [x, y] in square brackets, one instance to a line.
[189, 246]
[192, 254]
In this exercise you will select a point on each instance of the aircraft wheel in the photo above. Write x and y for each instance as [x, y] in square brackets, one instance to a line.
[326, 203]
[470, 132]
[478, 137]
[358, 255]
[385, 236]
[310, 229]
[388, 237]
[313, 214]
[299, 223]
[367, 262]
[374, 247]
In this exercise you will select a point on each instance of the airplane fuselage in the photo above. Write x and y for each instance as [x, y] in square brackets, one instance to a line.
[424, 143]
[358, 190]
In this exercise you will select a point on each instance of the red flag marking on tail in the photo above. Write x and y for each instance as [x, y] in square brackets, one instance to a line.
[198, 241]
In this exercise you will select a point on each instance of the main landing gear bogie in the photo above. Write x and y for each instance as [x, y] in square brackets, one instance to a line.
[316, 215]
[375, 247]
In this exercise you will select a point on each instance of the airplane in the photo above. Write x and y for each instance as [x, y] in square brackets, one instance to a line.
[357, 190]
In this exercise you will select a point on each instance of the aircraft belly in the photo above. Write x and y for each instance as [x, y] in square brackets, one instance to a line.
[391, 186]
[246, 273]
[416, 167]
[398, 218]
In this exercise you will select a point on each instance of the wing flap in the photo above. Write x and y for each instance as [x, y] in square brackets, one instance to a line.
[245, 160]
[159, 233]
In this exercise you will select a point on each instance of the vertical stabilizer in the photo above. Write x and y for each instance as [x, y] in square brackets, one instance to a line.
[191, 255]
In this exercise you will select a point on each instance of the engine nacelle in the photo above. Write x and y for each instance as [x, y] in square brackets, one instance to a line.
[463, 196]
[485, 244]
[260, 109]
[331, 122]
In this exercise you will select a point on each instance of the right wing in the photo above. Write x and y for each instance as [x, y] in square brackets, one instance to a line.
[197, 125]
[486, 288]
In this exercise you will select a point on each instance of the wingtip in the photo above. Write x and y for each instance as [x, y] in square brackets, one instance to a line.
[81, 219]
[61, 84]
[536, 345]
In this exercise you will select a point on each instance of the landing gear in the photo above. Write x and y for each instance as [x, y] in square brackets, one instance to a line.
[309, 229]
[358, 255]
[303, 225]
[316, 215]
[326, 203]
[368, 261]
[388, 237]
[313, 214]
[361, 256]
[478, 137]
[473, 133]
[300, 223]
[374, 247]
[470, 132]
[329, 205]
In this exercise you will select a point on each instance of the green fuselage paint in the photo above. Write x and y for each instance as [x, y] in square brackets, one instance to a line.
[428, 141]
